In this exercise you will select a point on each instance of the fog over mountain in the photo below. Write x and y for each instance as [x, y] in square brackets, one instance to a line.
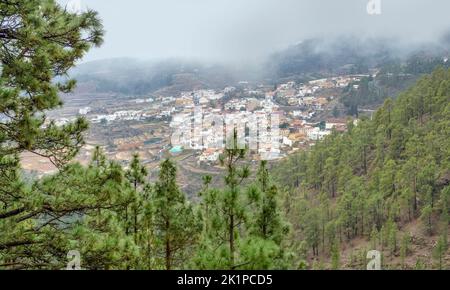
[247, 31]
[306, 60]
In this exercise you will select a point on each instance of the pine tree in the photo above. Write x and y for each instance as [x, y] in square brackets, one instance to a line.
[40, 41]
[374, 238]
[312, 230]
[176, 226]
[426, 217]
[243, 226]
[136, 174]
[231, 199]
[404, 248]
[331, 176]
[268, 220]
[98, 158]
[439, 251]
[391, 235]
[227, 214]
[335, 256]
[87, 203]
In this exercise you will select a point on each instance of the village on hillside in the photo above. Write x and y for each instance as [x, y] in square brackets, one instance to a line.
[123, 125]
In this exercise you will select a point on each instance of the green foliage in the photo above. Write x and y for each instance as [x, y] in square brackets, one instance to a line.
[175, 225]
[243, 226]
[391, 231]
[404, 248]
[380, 174]
[40, 42]
[426, 218]
[374, 238]
[420, 265]
[439, 251]
[136, 176]
[360, 184]
[335, 257]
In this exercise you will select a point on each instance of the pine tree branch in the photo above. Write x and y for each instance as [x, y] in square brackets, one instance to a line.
[12, 213]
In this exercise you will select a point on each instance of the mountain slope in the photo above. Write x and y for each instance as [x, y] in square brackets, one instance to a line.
[384, 183]
[133, 77]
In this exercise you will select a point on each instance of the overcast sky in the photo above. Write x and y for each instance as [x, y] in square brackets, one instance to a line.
[248, 29]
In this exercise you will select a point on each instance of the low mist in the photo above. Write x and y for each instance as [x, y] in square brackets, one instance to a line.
[248, 31]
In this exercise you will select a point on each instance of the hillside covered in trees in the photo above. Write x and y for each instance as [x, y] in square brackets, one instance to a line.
[379, 181]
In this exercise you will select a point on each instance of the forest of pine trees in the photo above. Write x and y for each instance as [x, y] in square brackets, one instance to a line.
[381, 176]
[367, 184]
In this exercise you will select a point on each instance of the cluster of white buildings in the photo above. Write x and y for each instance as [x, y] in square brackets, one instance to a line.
[122, 116]
[307, 94]
[207, 95]
[315, 133]
[143, 101]
[167, 100]
[236, 105]
[198, 126]
[303, 115]
[201, 119]
[210, 131]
